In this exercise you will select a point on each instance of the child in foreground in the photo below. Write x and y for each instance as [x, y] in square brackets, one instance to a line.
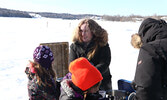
[84, 83]
[41, 77]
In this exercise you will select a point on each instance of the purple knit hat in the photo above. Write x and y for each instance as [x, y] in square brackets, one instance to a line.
[44, 56]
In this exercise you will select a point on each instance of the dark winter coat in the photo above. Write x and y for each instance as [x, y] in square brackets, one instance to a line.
[101, 60]
[150, 80]
[37, 92]
[70, 92]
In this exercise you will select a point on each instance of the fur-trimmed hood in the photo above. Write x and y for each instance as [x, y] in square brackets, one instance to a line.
[150, 30]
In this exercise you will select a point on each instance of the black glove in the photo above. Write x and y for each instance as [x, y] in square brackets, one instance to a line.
[93, 96]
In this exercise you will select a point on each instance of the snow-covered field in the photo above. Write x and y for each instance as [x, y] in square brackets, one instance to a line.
[20, 36]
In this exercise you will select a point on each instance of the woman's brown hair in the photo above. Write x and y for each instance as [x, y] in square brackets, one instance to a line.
[43, 75]
[100, 35]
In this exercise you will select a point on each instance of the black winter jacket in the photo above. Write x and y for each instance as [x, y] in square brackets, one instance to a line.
[150, 80]
[101, 60]
[70, 92]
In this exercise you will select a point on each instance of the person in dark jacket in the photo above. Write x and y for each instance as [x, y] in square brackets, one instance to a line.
[90, 40]
[84, 83]
[41, 77]
[150, 81]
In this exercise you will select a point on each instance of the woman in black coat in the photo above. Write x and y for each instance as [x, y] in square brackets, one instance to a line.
[90, 40]
[150, 81]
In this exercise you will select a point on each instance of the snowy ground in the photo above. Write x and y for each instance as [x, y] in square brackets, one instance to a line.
[20, 36]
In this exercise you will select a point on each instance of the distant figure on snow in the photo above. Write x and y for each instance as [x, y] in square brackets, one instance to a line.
[150, 81]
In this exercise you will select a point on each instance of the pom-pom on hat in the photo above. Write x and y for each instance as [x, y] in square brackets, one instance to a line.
[44, 56]
[84, 75]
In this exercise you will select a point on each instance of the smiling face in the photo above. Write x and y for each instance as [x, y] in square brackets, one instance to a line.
[85, 32]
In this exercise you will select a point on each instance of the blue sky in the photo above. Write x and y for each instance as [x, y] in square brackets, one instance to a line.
[100, 7]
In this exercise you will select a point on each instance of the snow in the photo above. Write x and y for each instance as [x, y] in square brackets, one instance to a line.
[20, 36]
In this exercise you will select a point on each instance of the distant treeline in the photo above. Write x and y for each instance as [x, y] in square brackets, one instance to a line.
[131, 17]
[13, 13]
[122, 18]
[16, 13]
[65, 15]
